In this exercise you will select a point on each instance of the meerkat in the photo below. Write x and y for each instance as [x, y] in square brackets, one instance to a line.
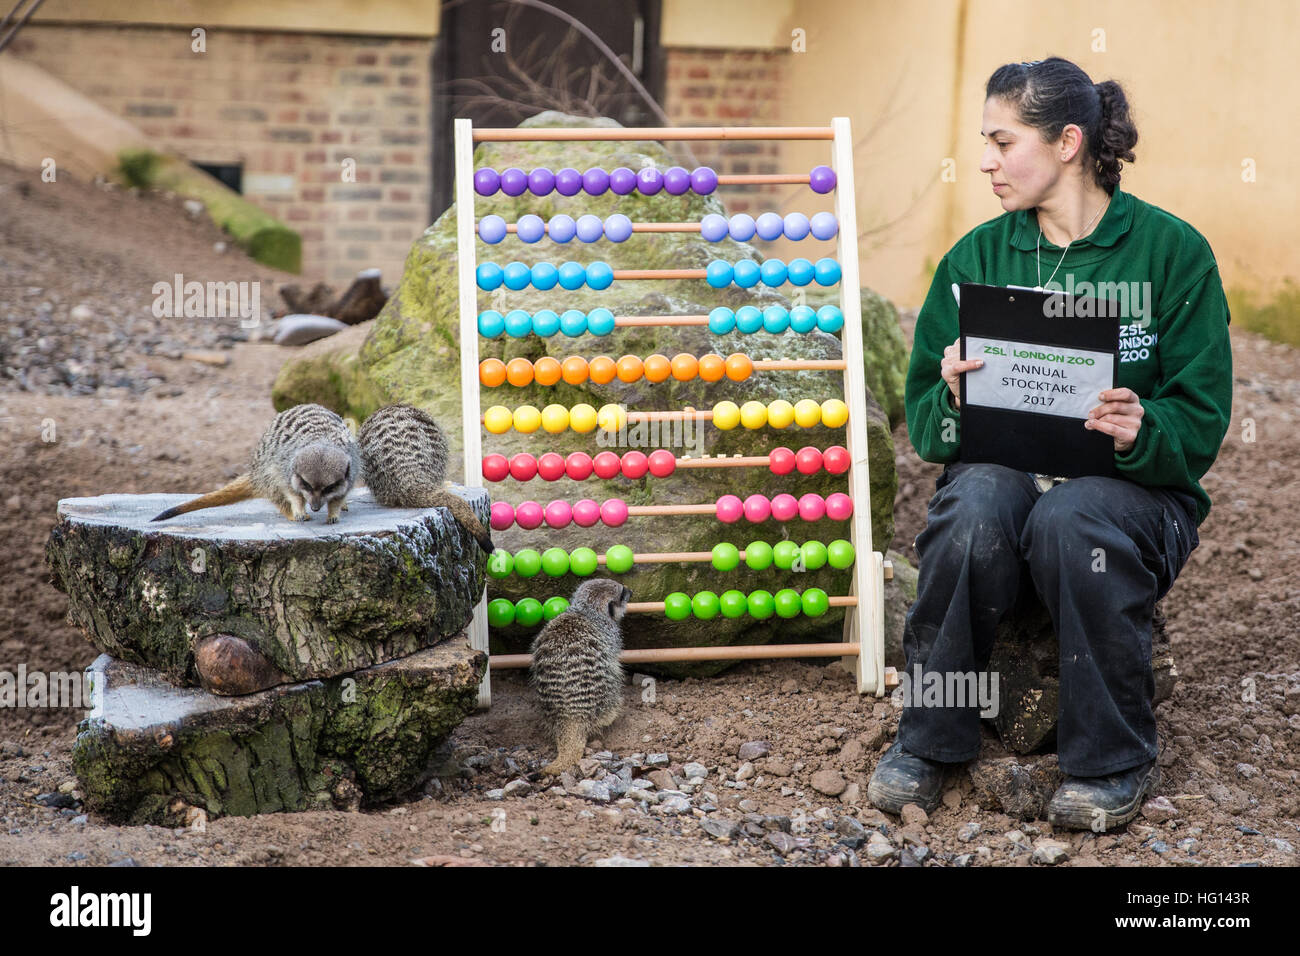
[404, 459]
[576, 671]
[306, 457]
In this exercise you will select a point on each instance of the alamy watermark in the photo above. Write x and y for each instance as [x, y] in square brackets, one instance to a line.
[47, 689]
[1125, 300]
[211, 300]
[949, 689]
[676, 433]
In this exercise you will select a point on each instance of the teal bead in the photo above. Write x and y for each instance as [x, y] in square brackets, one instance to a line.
[500, 564]
[618, 559]
[840, 553]
[815, 602]
[784, 554]
[761, 604]
[726, 557]
[788, 603]
[527, 563]
[814, 555]
[758, 555]
[554, 607]
[501, 612]
[705, 605]
[528, 612]
[733, 604]
[677, 606]
[555, 562]
[582, 562]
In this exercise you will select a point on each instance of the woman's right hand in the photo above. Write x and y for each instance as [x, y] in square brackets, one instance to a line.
[953, 365]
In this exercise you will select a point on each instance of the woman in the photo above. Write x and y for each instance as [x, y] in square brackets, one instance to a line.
[1099, 551]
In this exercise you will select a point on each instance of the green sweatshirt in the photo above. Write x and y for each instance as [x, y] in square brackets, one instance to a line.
[1174, 347]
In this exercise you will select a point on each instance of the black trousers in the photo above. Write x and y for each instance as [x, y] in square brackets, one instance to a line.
[1099, 551]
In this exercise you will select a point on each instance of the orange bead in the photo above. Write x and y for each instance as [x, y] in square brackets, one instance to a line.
[492, 372]
[712, 367]
[685, 366]
[574, 369]
[630, 368]
[546, 370]
[519, 371]
[657, 368]
[602, 369]
[739, 366]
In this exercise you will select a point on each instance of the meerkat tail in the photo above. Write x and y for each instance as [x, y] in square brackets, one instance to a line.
[241, 489]
[570, 740]
[465, 515]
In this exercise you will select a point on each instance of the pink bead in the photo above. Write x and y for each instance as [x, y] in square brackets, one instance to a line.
[529, 515]
[503, 515]
[578, 466]
[757, 508]
[585, 513]
[550, 466]
[607, 464]
[635, 464]
[781, 461]
[784, 507]
[839, 506]
[558, 514]
[614, 512]
[495, 468]
[812, 507]
[662, 463]
[809, 460]
[523, 467]
[730, 508]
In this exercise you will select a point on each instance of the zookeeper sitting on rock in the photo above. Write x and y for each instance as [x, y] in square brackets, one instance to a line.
[1054, 145]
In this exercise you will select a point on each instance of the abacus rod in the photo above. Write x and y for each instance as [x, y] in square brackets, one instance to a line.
[655, 655]
[663, 557]
[764, 179]
[585, 134]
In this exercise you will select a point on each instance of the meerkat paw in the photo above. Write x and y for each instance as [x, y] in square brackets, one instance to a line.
[570, 741]
[344, 506]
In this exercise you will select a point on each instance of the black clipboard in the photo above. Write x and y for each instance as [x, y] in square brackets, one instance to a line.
[1022, 438]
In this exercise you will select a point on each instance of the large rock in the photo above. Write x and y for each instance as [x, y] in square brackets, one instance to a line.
[237, 598]
[152, 752]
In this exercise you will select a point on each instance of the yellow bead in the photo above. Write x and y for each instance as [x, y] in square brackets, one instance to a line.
[807, 413]
[582, 418]
[834, 413]
[611, 417]
[780, 413]
[753, 414]
[726, 415]
[527, 418]
[555, 419]
[498, 420]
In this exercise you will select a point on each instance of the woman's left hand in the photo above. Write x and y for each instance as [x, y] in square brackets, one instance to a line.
[1119, 415]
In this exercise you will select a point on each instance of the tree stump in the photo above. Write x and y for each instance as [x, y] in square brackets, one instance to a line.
[237, 599]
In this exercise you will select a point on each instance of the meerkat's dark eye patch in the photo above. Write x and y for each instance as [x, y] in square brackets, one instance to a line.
[306, 487]
[611, 609]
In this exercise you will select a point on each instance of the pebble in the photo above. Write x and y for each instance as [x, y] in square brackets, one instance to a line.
[753, 750]
[745, 772]
[1159, 846]
[852, 794]
[777, 768]
[913, 814]
[968, 832]
[497, 794]
[782, 842]
[1050, 853]
[828, 782]
[747, 806]
[962, 860]
[662, 779]
[619, 861]
[591, 790]
[656, 760]
[125, 861]
[1189, 845]
[722, 829]
[674, 806]
[695, 771]
[1282, 845]
[1159, 810]
[879, 852]
[517, 787]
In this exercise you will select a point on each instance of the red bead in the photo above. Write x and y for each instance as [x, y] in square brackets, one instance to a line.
[607, 464]
[662, 463]
[495, 468]
[585, 513]
[523, 467]
[529, 515]
[551, 466]
[578, 466]
[781, 460]
[836, 459]
[809, 460]
[635, 464]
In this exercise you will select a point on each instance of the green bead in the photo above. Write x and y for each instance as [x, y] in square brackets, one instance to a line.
[815, 602]
[527, 563]
[500, 563]
[554, 607]
[788, 603]
[814, 555]
[618, 559]
[501, 612]
[528, 612]
[733, 604]
[555, 562]
[677, 606]
[784, 554]
[705, 605]
[758, 555]
[726, 557]
[841, 554]
[760, 604]
[583, 562]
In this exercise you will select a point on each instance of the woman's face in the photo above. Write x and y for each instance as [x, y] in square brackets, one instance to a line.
[1023, 169]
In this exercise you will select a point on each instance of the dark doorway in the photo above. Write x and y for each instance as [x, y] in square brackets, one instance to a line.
[546, 63]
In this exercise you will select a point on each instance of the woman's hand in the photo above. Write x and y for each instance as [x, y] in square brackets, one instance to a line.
[953, 365]
[1119, 415]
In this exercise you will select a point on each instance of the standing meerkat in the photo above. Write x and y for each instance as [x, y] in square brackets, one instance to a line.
[576, 671]
[404, 457]
[306, 457]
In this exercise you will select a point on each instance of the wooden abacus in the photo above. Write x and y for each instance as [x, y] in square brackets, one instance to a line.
[863, 636]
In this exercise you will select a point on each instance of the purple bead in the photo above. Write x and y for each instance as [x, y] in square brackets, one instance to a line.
[676, 181]
[825, 225]
[796, 225]
[618, 228]
[568, 182]
[486, 181]
[514, 181]
[713, 228]
[769, 226]
[590, 228]
[704, 180]
[649, 181]
[595, 181]
[541, 181]
[821, 179]
[622, 181]
[741, 227]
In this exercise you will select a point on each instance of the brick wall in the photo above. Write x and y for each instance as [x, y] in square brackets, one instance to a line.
[289, 107]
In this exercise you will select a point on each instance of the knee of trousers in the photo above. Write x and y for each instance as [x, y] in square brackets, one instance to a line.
[978, 514]
[1066, 535]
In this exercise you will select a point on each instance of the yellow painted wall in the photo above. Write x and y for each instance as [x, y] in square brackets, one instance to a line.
[382, 17]
[727, 24]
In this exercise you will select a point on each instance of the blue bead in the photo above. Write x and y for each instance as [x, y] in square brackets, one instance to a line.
[776, 319]
[773, 272]
[825, 225]
[572, 275]
[530, 228]
[488, 276]
[600, 321]
[492, 229]
[545, 276]
[561, 228]
[741, 227]
[590, 228]
[518, 323]
[800, 272]
[599, 276]
[769, 226]
[713, 228]
[830, 318]
[573, 322]
[803, 319]
[796, 226]
[746, 273]
[721, 320]
[828, 271]
[749, 319]
[516, 276]
[491, 324]
[718, 274]
[546, 323]
[618, 228]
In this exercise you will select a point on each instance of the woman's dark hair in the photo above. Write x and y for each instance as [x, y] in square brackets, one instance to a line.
[1050, 94]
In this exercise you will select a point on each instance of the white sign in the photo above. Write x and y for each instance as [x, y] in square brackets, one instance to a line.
[1046, 379]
